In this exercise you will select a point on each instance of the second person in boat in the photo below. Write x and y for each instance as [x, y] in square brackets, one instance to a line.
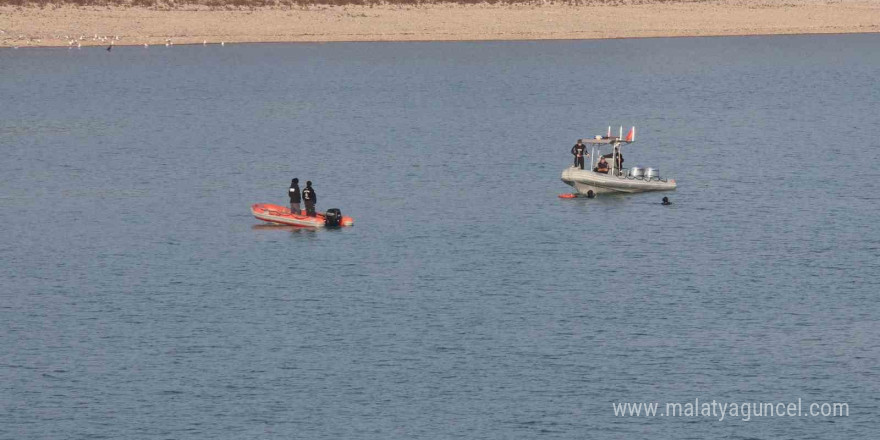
[579, 151]
[310, 199]
[602, 166]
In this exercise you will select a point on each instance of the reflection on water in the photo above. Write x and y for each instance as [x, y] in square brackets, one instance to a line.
[274, 227]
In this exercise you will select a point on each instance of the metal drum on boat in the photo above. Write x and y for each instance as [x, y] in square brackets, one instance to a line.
[637, 172]
[652, 173]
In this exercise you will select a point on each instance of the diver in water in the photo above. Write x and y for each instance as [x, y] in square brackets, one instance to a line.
[579, 151]
[310, 198]
[295, 198]
[666, 201]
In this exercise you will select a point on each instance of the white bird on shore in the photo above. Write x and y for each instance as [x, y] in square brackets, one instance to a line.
[223, 43]
[146, 45]
[78, 45]
[205, 43]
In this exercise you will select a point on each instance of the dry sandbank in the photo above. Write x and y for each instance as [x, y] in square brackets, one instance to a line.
[68, 25]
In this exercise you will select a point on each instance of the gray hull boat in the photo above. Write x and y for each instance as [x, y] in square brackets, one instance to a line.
[584, 181]
[611, 178]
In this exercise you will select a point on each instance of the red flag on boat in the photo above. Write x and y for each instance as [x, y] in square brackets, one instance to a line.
[631, 136]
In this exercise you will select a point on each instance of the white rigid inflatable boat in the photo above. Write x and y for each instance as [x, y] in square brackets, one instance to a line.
[590, 181]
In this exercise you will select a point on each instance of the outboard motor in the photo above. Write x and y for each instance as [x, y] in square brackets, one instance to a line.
[332, 218]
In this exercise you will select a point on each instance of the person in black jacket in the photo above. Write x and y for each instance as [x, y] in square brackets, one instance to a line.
[295, 198]
[602, 166]
[579, 150]
[310, 198]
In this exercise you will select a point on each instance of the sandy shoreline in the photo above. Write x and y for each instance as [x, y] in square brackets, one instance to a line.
[66, 25]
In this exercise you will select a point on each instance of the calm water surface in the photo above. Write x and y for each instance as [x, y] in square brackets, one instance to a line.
[140, 299]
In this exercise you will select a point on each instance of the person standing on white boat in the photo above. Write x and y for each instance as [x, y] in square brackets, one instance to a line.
[310, 198]
[579, 151]
[295, 198]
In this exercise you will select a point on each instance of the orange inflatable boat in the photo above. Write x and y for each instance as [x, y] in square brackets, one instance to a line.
[279, 214]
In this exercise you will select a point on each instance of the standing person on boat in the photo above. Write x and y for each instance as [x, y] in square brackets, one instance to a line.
[310, 198]
[579, 150]
[295, 198]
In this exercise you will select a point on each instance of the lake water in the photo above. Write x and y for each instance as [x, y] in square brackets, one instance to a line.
[140, 299]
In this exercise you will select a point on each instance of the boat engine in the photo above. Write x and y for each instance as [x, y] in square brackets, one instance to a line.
[332, 218]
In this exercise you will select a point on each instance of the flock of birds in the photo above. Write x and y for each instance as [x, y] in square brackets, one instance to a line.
[73, 42]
